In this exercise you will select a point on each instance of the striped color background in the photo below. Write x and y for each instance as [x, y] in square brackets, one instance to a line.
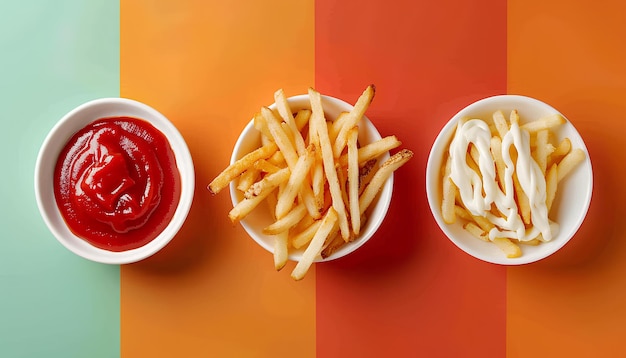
[208, 65]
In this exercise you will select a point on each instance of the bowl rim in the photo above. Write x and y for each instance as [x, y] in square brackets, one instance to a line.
[383, 199]
[434, 164]
[57, 138]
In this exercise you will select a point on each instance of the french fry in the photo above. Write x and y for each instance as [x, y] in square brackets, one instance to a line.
[352, 119]
[280, 137]
[547, 122]
[261, 125]
[514, 117]
[287, 221]
[510, 249]
[496, 152]
[382, 174]
[365, 174]
[285, 112]
[501, 124]
[449, 196]
[373, 150]
[317, 118]
[315, 246]
[564, 147]
[353, 180]
[543, 150]
[265, 166]
[476, 231]
[332, 244]
[303, 237]
[281, 250]
[462, 213]
[569, 162]
[318, 179]
[335, 127]
[296, 179]
[302, 118]
[551, 185]
[247, 178]
[246, 206]
[268, 183]
[238, 167]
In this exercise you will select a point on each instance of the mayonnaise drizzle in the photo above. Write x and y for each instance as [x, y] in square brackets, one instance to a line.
[478, 195]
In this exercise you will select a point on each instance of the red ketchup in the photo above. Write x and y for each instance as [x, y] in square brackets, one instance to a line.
[116, 183]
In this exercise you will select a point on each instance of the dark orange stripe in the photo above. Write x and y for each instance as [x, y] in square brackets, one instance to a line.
[409, 291]
[572, 56]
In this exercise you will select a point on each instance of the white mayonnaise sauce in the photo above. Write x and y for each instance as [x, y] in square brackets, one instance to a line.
[478, 195]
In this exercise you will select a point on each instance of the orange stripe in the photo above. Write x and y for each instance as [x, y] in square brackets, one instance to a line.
[208, 66]
[572, 56]
[410, 292]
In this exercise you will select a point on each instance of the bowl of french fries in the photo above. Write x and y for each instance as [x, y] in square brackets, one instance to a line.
[509, 180]
[311, 178]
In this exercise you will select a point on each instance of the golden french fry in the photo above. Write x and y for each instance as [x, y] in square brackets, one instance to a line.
[335, 127]
[462, 213]
[261, 125]
[302, 118]
[296, 179]
[319, 123]
[551, 185]
[353, 180]
[449, 195]
[547, 122]
[333, 243]
[523, 205]
[318, 179]
[373, 150]
[353, 119]
[248, 178]
[287, 221]
[476, 231]
[315, 246]
[281, 250]
[522, 200]
[533, 242]
[543, 150]
[564, 147]
[501, 124]
[380, 177]
[265, 166]
[244, 207]
[514, 117]
[280, 137]
[286, 113]
[496, 153]
[510, 249]
[268, 183]
[303, 237]
[569, 162]
[307, 196]
[238, 167]
[365, 174]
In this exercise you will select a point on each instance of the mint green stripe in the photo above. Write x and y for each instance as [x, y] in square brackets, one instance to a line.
[54, 55]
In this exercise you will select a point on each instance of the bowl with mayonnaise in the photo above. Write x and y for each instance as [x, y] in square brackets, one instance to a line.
[509, 180]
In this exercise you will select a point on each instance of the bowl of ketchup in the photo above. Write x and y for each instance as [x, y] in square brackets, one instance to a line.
[114, 181]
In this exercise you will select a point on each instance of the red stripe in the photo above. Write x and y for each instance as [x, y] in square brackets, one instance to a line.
[409, 290]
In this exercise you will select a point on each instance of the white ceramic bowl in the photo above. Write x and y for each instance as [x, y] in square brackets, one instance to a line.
[573, 193]
[57, 139]
[254, 223]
